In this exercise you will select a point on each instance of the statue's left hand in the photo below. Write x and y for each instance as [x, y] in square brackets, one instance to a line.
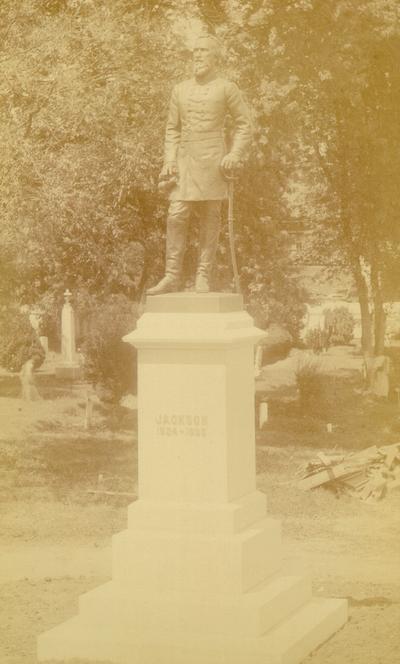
[230, 163]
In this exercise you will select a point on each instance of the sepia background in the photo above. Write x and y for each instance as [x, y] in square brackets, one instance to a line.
[84, 94]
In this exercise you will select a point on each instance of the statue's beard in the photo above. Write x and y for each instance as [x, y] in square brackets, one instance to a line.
[200, 68]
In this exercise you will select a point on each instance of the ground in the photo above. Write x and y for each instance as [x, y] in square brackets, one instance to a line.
[57, 517]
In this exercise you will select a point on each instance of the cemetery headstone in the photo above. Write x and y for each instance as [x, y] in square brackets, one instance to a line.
[28, 381]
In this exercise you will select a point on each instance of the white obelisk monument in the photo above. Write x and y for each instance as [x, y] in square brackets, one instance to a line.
[69, 366]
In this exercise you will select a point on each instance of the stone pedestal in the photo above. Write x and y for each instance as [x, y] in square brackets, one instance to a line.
[197, 576]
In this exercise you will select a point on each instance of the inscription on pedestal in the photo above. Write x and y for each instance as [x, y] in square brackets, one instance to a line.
[181, 425]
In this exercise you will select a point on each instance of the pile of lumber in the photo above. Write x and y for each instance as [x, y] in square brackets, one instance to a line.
[367, 475]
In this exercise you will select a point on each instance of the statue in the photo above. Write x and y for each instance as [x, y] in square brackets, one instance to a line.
[196, 159]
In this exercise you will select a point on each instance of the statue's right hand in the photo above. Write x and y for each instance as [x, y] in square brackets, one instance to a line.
[168, 177]
[169, 170]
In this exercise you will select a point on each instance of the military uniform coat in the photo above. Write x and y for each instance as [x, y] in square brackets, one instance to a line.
[195, 138]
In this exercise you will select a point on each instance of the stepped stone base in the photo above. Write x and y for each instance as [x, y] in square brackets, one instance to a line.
[180, 597]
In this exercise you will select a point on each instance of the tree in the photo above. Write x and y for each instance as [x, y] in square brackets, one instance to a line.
[347, 95]
[324, 80]
[362, 172]
[82, 131]
[85, 114]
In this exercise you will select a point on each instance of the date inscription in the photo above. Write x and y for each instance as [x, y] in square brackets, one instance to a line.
[192, 426]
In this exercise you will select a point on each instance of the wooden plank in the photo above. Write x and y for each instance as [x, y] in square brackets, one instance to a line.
[390, 457]
[330, 460]
[387, 448]
[330, 474]
[366, 455]
[355, 481]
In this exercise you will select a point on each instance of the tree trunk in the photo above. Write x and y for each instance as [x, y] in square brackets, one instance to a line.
[367, 337]
[379, 312]
[367, 332]
[380, 327]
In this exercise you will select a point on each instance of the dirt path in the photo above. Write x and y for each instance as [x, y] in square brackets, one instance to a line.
[45, 593]
[347, 548]
[54, 561]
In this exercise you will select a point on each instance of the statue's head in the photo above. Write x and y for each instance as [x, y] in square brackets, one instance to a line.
[206, 52]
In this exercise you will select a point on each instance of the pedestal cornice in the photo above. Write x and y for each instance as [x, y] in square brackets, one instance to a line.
[191, 320]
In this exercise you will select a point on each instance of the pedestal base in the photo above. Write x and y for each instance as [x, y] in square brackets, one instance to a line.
[288, 643]
[68, 371]
[199, 585]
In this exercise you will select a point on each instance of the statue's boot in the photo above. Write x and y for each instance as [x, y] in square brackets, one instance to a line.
[167, 284]
[208, 244]
[177, 225]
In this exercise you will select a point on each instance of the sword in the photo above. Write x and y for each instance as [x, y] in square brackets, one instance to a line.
[231, 232]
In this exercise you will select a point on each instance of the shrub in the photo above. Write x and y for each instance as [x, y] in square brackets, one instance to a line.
[50, 320]
[109, 363]
[315, 339]
[277, 344]
[18, 340]
[285, 310]
[338, 326]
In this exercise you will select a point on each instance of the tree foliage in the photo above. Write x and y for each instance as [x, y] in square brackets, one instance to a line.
[108, 361]
[85, 99]
[18, 342]
[84, 144]
[86, 95]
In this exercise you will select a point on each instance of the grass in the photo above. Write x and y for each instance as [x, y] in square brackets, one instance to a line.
[358, 420]
[47, 455]
[46, 486]
[49, 386]
[66, 468]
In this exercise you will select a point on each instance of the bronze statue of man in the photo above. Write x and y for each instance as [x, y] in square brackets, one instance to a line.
[196, 159]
